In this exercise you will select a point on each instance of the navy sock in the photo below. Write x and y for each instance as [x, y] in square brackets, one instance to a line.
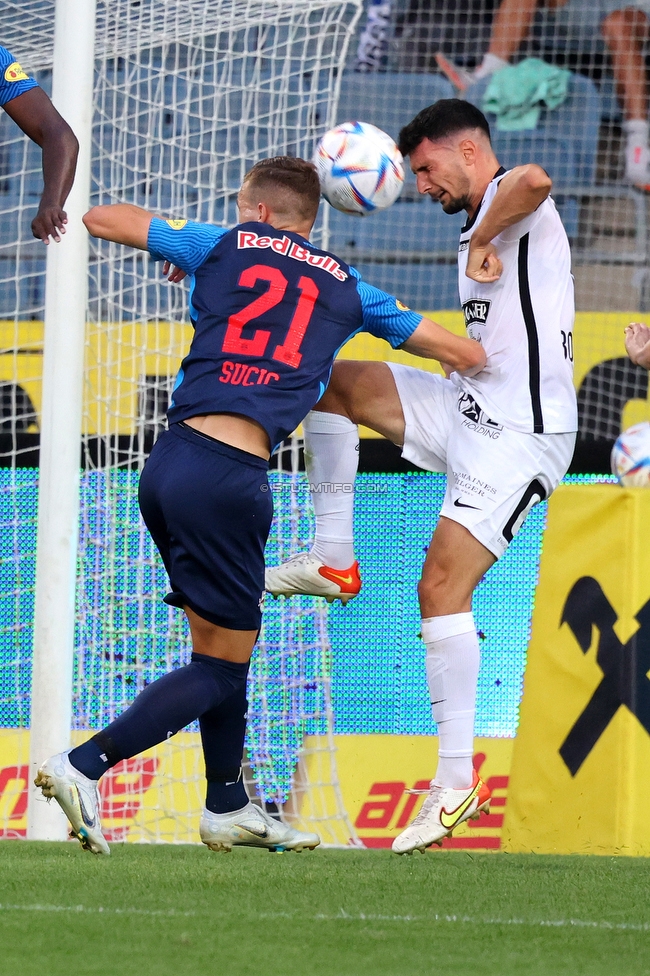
[222, 734]
[160, 711]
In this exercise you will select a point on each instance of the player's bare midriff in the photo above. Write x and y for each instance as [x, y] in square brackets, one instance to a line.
[234, 429]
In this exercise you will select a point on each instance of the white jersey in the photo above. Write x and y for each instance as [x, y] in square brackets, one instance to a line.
[524, 321]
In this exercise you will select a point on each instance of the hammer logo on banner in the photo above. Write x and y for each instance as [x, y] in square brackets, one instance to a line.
[625, 668]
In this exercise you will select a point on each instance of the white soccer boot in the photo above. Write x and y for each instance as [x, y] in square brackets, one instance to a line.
[442, 811]
[307, 575]
[637, 163]
[78, 797]
[252, 827]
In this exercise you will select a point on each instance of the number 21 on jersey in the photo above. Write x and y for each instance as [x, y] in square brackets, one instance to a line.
[288, 351]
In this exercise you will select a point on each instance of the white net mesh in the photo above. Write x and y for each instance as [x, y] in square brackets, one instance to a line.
[591, 64]
[188, 95]
[580, 142]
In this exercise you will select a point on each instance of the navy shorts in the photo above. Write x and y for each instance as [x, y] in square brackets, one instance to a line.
[208, 508]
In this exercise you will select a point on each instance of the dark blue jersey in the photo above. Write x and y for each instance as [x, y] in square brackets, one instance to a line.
[270, 312]
[13, 80]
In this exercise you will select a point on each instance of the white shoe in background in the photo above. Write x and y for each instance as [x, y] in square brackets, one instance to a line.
[637, 163]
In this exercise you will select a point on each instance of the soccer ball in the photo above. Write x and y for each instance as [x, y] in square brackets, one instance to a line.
[631, 456]
[359, 167]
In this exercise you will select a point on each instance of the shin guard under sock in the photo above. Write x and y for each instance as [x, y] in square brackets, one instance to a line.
[222, 735]
[452, 672]
[160, 711]
[331, 460]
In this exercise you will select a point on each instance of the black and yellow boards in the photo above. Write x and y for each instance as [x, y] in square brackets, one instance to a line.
[580, 777]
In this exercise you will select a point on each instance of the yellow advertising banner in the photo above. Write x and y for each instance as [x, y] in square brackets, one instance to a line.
[377, 771]
[159, 796]
[579, 780]
[119, 357]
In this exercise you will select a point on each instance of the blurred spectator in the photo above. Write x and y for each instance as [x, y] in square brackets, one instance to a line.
[625, 28]
[459, 28]
[373, 41]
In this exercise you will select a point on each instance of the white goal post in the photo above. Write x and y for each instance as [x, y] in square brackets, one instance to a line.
[66, 299]
[172, 101]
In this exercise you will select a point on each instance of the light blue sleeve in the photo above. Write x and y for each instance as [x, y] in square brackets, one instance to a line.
[182, 242]
[383, 315]
[13, 80]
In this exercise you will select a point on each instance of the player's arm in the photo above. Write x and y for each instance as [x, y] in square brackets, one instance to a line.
[637, 343]
[35, 114]
[182, 243]
[122, 223]
[127, 224]
[386, 317]
[520, 193]
[456, 353]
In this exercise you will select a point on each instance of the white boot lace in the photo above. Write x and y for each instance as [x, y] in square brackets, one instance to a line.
[432, 798]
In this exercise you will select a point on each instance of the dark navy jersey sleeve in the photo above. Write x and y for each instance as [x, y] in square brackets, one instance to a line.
[13, 80]
[383, 315]
[182, 242]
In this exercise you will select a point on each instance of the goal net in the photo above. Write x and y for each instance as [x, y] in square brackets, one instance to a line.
[189, 94]
[576, 77]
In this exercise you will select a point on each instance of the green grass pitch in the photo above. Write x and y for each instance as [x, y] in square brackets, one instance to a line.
[172, 911]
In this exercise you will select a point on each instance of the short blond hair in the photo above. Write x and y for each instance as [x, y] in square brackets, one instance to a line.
[287, 184]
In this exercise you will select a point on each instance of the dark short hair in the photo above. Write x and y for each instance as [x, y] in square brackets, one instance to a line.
[289, 175]
[444, 118]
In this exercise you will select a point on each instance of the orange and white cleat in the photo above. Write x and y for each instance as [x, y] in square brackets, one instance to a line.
[442, 811]
[307, 575]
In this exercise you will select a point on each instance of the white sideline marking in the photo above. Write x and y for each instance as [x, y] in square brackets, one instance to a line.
[84, 909]
[343, 916]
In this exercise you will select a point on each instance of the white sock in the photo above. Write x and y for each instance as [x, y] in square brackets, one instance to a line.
[490, 64]
[453, 659]
[331, 460]
[637, 152]
[639, 128]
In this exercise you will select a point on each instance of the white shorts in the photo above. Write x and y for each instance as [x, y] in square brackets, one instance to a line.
[494, 475]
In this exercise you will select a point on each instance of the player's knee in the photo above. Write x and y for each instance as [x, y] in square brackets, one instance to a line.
[338, 395]
[434, 589]
[441, 591]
